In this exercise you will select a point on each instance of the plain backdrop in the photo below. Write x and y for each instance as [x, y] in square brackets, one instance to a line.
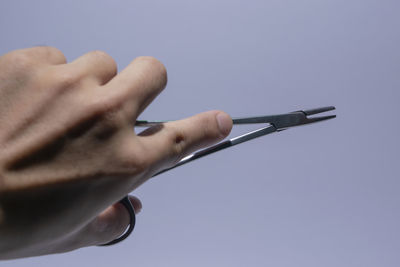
[320, 195]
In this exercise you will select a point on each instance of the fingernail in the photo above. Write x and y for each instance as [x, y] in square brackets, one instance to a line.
[224, 123]
[136, 203]
[138, 210]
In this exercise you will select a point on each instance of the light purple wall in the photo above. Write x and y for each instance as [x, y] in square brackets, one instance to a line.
[323, 195]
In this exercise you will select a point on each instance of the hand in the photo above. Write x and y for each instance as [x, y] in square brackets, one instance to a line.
[68, 150]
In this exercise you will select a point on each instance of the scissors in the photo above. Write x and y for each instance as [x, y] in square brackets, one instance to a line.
[276, 123]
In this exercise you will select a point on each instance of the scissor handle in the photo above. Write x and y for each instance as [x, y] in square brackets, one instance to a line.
[132, 220]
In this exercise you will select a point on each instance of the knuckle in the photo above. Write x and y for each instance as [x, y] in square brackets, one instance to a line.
[133, 157]
[102, 107]
[50, 51]
[148, 60]
[102, 119]
[103, 57]
[66, 79]
[19, 60]
[106, 63]
[156, 68]
[99, 54]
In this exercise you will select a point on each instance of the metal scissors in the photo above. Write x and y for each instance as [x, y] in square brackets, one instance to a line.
[276, 123]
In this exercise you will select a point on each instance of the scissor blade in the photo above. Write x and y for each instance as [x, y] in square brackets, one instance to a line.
[283, 120]
[318, 110]
[323, 118]
[258, 119]
[301, 117]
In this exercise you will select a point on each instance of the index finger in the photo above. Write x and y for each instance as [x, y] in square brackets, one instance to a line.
[165, 145]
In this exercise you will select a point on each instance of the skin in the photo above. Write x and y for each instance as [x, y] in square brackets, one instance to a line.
[68, 149]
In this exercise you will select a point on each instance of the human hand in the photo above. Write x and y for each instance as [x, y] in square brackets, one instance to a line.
[68, 149]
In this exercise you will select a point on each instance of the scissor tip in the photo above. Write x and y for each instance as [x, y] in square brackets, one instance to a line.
[323, 118]
[318, 110]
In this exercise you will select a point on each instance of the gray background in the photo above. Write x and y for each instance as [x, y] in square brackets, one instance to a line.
[321, 195]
